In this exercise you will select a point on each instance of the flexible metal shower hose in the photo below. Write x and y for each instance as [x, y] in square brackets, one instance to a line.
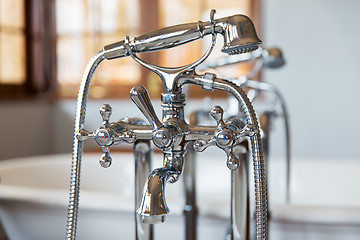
[261, 202]
[78, 145]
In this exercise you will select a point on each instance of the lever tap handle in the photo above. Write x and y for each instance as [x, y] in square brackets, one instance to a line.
[140, 97]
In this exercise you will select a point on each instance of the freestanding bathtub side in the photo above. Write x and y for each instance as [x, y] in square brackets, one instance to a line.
[325, 203]
[34, 194]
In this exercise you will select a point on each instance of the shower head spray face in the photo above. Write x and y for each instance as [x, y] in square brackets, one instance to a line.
[239, 35]
[240, 49]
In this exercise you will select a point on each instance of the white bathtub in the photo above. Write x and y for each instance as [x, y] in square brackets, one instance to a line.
[34, 195]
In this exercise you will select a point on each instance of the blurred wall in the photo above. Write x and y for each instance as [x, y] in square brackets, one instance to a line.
[25, 128]
[321, 80]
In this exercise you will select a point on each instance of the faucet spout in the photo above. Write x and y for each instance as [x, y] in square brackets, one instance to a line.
[153, 207]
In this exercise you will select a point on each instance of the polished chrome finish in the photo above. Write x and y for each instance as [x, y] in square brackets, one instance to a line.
[153, 207]
[105, 112]
[163, 136]
[172, 134]
[257, 153]
[238, 32]
[83, 134]
[240, 207]
[225, 137]
[171, 98]
[208, 80]
[240, 35]
[166, 74]
[141, 99]
[142, 155]
[259, 167]
[190, 208]
[168, 136]
[240, 203]
[200, 132]
[265, 121]
[106, 135]
[105, 159]
[270, 58]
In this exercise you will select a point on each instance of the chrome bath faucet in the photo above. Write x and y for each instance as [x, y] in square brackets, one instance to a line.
[172, 133]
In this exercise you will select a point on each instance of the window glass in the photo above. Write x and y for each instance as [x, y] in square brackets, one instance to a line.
[12, 42]
[180, 11]
[86, 26]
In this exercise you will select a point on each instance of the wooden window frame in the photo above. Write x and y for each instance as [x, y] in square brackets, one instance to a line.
[40, 38]
[40, 50]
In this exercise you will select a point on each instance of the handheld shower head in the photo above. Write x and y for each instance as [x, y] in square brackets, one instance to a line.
[239, 35]
[238, 31]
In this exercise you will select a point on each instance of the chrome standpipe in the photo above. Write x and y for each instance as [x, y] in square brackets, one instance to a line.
[142, 155]
[240, 202]
[189, 176]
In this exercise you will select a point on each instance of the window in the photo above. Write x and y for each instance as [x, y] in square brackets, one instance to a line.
[182, 11]
[84, 27]
[46, 44]
[27, 44]
[12, 44]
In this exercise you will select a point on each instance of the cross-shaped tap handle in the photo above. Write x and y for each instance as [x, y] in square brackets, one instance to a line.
[105, 136]
[225, 137]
